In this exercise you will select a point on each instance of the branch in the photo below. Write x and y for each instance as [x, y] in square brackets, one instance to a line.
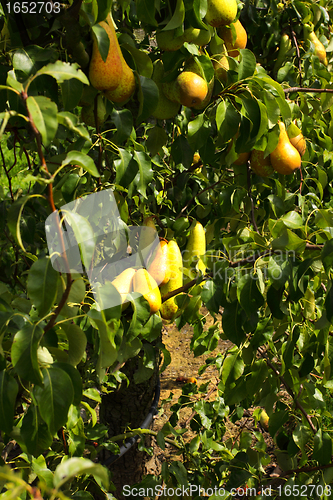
[305, 469]
[303, 89]
[183, 288]
[288, 388]
[136, 432]
[7, 174]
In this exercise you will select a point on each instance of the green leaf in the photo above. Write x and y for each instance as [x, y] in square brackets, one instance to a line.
[107, 347]
[232, 368]
[142, 60]
[102, 39]
[70, 121]
[157, 138]
[145, 174]
[141, 314]
[148, 96]
[84, 235]
[145, 12]
[301, 436]
[123, 120]
[274, 297]
[126, 168]
[248, 294]
[54, 397]
[146, 364]
[77, 341]
[71, 91]
[76, 466]
[35, 435]
[198, 132]
[227, 120]
[232, 322]
[289, 241]
[177, 17]
[44, 115]
[84, 161]
[322, 449]
[39, 467]
[104, 7]
[62, 71]
[195, 12]
[327, 255]
[24, 353]
[42, 285]
[292, 220]
[247, 64]
[75, 377]
[8, 393]
[329, 304]
[152, 329]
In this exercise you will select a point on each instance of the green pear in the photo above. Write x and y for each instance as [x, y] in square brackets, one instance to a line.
[165, 108]
[197, 36]
[221, 12]
[221, 67]
[285, 47]
[88, 95]
[88, 114]
[169, 308]
[195, 248]
[106, 75]
[167, 42]
[145, 284]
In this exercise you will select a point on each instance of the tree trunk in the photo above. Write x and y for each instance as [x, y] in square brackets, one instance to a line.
[126, 409]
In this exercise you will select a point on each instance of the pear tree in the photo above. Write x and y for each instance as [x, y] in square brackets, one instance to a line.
[161, 162]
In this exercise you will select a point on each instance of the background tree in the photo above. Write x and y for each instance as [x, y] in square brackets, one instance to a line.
[267, 268]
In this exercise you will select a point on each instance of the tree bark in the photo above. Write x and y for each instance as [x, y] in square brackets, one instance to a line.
[126, 409]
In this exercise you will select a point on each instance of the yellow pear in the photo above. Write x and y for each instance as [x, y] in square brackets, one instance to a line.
[233, 44]
[260, 165]
[165, 108]
[296, 138]
[193, 66]
[221, 12]
[106, 75]
[264, 420]
[159, 269]
[146, 285]
[196, 247]
[148, 235]
[169, 308]
[242, 158]
[285, 158]
[189, 89]
[320, 50]
[123, 283]
[127, 83]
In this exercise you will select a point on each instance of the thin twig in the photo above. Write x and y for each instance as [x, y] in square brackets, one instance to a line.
[7, 174]
[303, 89]
[249, 190]
[293, 35]
[288, 388]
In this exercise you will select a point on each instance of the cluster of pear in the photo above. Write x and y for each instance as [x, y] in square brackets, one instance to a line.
[164, 273]
[286, 157]
[190, 88]
[113, 76]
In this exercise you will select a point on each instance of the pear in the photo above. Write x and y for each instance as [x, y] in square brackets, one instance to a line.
[320, 50]
[88, 113]
[285, 47]
[221, 12]
[264, 420]
[88, 95]
[148, 236]
[221, 67]
[197, 36]
[165, 108]
[285, 158]
[123, 283]
[196, 246]
[260, 165]
[193, 66]
[106, 75]
[242, 158]
[125, 88]
[159, 268]
[169, 308]
[146, 285]
[296, 138]
[167, 42]
[189, 89]
[233, 44]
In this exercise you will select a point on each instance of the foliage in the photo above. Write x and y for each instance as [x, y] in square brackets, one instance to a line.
[268, 261]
